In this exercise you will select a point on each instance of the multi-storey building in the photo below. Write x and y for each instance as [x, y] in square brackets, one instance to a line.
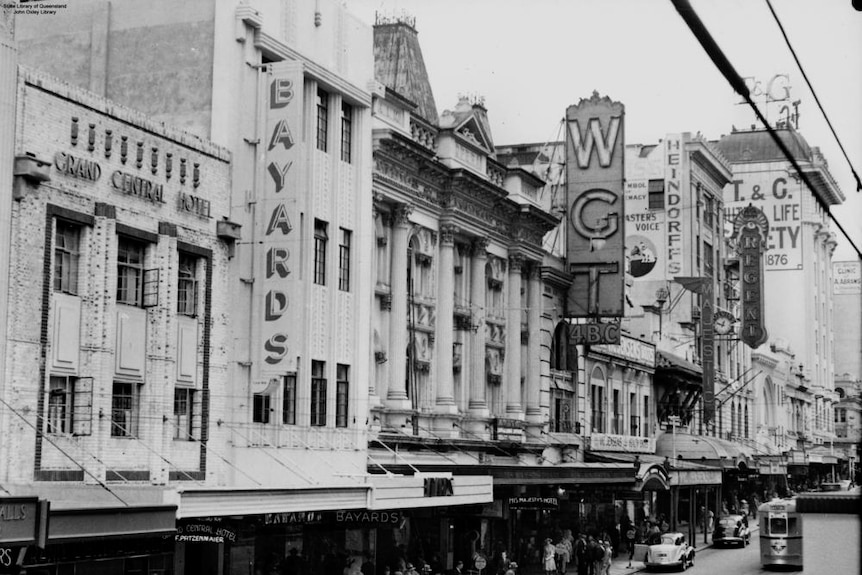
[285, 89]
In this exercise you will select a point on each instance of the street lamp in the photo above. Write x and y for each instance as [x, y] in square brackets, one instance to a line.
[661, 296]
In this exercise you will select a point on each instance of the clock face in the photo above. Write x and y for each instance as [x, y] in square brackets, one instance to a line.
[722, 323]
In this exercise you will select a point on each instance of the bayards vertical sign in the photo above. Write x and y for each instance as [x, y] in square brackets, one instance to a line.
[276, 220]
[751, 230]
[595, 234]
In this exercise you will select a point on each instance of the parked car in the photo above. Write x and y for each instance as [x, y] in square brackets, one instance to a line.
[671, 551]
[731, 530]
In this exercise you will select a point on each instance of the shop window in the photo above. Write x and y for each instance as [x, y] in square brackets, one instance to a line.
[184, 413]
[124, 409]
[187, 285]
[288, 405]
[320, 240]
[346, 132]
[261, 407]
[344, 259]
[342, 389]
[67, 240]
[322, 120]
[318, 393]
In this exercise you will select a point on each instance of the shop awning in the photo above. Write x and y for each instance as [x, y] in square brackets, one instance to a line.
[652, 474]
[703, 449]
[67, 525]
[561, 473]
[665, 360]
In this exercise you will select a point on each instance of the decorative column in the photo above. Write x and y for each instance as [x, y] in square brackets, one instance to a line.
[513, 337]
[396, 397]
[534, 352]
[445, 323]
[478, 285]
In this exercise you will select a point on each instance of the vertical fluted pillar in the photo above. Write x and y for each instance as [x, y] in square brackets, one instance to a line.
[513, 337]
[396, 396]
[445, 323]
[534, 364]
[478, 285]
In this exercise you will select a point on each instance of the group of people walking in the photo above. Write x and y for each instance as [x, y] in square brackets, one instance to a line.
[587, 554]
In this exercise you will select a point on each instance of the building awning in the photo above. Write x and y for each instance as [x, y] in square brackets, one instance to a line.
[665, 360]
[561, 473]
[651, 478]
[703, 449]
[68, 525]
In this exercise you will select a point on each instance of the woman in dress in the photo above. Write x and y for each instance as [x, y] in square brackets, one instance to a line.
[548, 562]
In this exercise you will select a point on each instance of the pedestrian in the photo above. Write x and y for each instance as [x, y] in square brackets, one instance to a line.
[710, 517]
[581, 556]
[608, 558]
[595, 556]
[548, 562]
[564, 552]
[630, 542]
[743, 508]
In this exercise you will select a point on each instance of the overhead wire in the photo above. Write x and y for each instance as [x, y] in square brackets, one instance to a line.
[813, 93]
[724, 66]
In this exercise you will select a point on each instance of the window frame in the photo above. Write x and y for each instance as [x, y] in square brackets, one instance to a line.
[261, 408]
[346, 132]
[344, 249]
[288, 399]
[322, 120]
[188, 426]
[655, 194]
[318, 394]
[66, 418]
[130, 271]
[321, 240]
[128, 430]
[67, 258]
[342, 394]
[187, 286]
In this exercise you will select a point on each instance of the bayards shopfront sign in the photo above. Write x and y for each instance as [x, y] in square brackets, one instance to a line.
[623, 443]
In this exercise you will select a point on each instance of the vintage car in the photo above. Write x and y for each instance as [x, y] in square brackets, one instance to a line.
[671, 551]
[731, 530]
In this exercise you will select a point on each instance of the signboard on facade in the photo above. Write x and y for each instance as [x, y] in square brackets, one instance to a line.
[535, 503]
[779, 197]
[20, 520]
[278, 314]
[677, 204]
[751, 229]
[847, 278]
[645, 233]
[595, 198]
[707, 332]
[624, 443]
[631, 349]
[592, 333]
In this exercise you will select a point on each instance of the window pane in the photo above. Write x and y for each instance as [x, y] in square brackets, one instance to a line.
[58, 405]
[66, 257]
[322, 119]
[344, 260]
[341, 395]
[260, 409]
[320, 239]
[346, 131]
[318, 393]
[187, 285]
[288, 409]
[123, 410]
[183, 413]
[130, 263]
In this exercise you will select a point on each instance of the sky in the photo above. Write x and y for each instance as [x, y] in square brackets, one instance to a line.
[530, 59]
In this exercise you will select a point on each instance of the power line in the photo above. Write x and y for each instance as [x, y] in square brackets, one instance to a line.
[721, 62]
[813, 93]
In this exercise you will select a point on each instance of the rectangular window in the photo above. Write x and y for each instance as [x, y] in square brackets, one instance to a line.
[60, 405]
[261, 405]
[124, 409]
[645, 428]
[562, 409]
[344, 260]
[184, 413]
[288, 402]
[708, 262]
[597, 407]
[708, 211]
[318, 393]
[66, 251]
[187, 285]
[130, 271]
[656, 194]
[342, 389]
[346, 132]
[322, 119]
[320, 239]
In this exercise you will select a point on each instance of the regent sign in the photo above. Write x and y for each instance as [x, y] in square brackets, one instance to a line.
[595, 242]
[277, 314]
[751, 229]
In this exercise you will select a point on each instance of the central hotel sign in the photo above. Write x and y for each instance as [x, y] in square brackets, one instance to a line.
[595, 234]
[277, 312]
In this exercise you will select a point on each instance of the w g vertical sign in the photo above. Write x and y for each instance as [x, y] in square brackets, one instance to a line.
[595, 234]
[276, 220]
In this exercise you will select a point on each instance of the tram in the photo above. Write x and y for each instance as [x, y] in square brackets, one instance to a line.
[780, 534]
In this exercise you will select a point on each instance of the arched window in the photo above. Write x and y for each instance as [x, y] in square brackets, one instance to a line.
[564, 357]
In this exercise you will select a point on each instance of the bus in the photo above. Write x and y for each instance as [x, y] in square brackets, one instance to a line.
[780, 534]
